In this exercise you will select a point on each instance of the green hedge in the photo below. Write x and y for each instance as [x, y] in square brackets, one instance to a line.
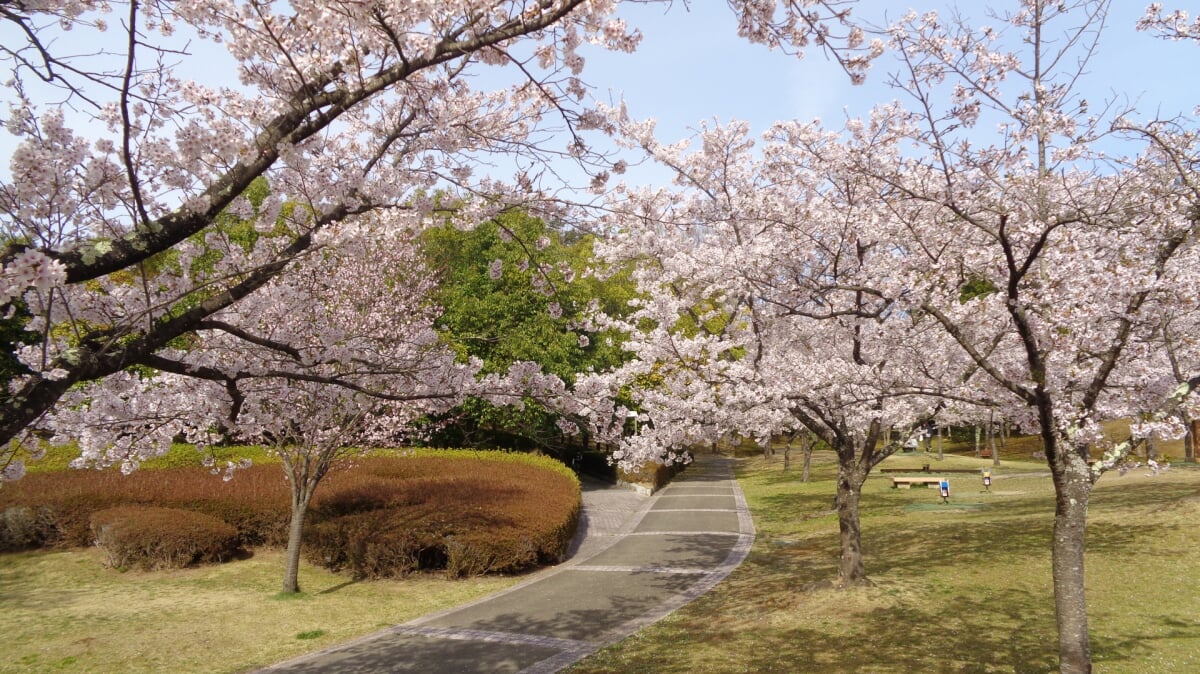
[56, 458]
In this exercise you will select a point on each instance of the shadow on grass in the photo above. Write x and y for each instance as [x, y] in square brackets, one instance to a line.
[340, 586]
[1137, 645]
[911, 638]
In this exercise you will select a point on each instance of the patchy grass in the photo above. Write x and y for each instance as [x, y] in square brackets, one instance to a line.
[963, 587]
[63, 611]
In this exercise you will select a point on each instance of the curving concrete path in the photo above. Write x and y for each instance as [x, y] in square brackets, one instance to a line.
[635, 560]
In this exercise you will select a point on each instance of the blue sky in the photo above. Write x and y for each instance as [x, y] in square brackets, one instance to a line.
[692, 66]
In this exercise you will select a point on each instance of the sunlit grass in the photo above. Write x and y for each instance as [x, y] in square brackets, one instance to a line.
[963, 587]
[63, 611]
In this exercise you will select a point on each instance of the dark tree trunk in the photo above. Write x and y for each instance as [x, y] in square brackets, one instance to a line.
[1189, 444]
[856, 456]
[851, 570]
[991, 440]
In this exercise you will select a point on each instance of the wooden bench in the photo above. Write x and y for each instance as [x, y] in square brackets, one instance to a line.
[908, 482]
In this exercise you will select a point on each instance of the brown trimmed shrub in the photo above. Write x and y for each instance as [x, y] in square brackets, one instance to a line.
[471, 512]
[377, 544]
[161, 538]
[443, 515]
[256, 501]
[496, 551]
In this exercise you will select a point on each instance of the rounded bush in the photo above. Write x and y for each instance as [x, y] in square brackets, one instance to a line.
[161, 538]
[467, 517]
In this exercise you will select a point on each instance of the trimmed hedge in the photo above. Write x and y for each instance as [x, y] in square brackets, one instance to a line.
[420, 513]
[56, 458]
[161, 538]
[374, 544]
[464, 511]
[255, 502]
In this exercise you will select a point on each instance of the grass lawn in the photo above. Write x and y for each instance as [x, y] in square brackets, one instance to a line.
[65, 612]
[963, 587]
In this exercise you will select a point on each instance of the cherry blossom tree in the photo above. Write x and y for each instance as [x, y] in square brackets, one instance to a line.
[1179, 329]
[337, 355]
[1174, 24]
[1045, 256]
[125, 167]
[1073, 224]
[757, 318]
[134, 142]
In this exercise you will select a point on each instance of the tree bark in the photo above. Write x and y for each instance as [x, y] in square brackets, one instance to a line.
[291, 570]
[851, 569]
[1073, 488]
[1189, 447]
[991, 439]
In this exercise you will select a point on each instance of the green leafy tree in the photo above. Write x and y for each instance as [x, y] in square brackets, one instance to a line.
[518, 289]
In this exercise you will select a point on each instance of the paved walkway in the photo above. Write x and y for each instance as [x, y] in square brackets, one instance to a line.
[635, 560]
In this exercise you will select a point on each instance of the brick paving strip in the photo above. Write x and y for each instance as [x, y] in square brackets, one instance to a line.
[635, 560]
